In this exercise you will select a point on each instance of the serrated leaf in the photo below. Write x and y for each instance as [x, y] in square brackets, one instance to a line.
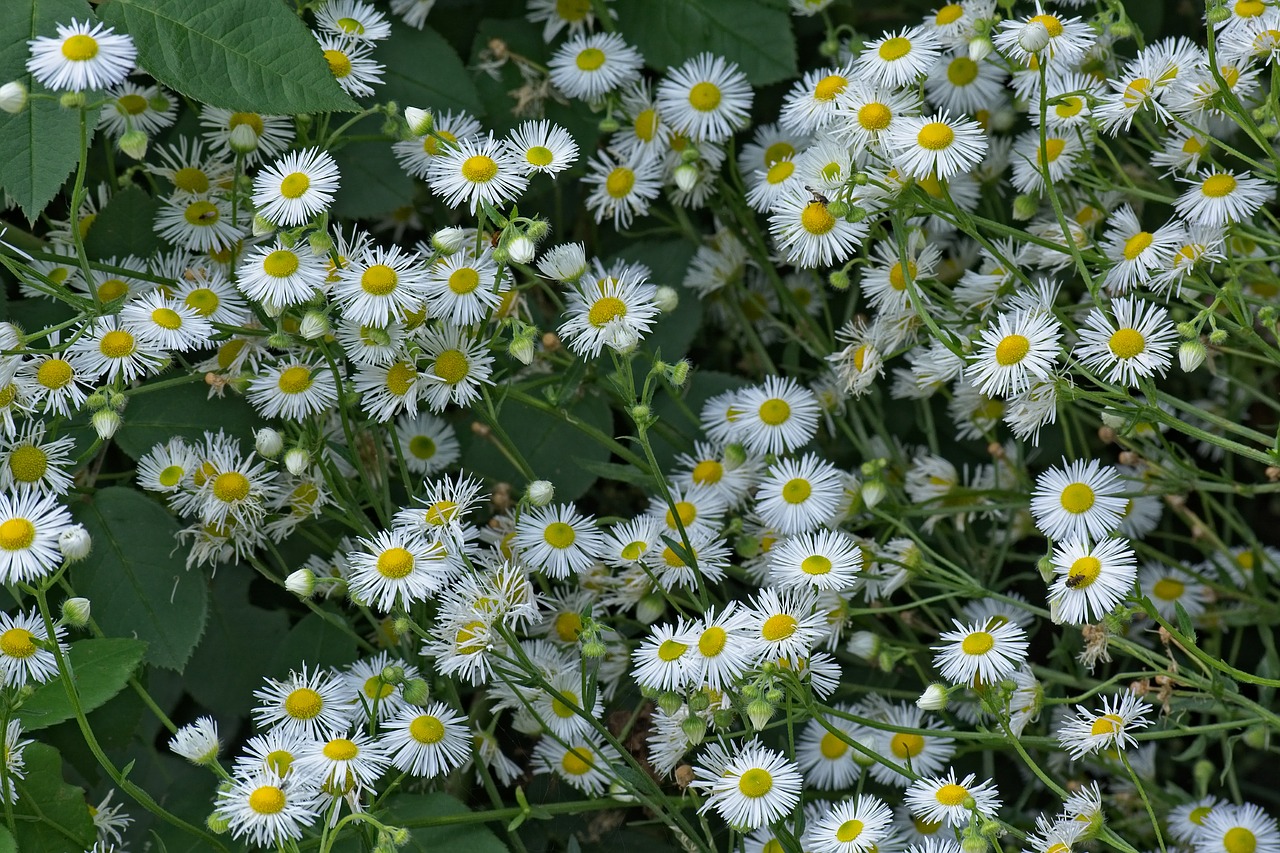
[137, 578]
[124, 227]
[415, 810]
[40, 146]
[182, 410]
[101, 668]
[237, 631]
[755, 35]
[50, 816]
[373, 183]
[423, 70]
[249, 55]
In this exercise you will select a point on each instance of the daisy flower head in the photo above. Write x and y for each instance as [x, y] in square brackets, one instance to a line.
[1061, 153]
[707, 98]
[350, 64]
[867, 111]
[543, 147]
[308, 704]
[942, 799]
[296, 188]
[280, 275]
[784, 624]
[109, 348]
[898, 59]
[479, 170]
[459, 365]
[1018, 347]
[429, 443]
[345, 763]
[1136, 253]
[589, 66]
[827, 761]
[722, 644]
[266, 809]
[197, 223]
[754, 786]
[30, 526]
[82, 57]
[1221, 197]
[981, 653]
[167, 323]
[197, 742]
[1091, 580]
[24, 656]
[580, 761]
[622, 190]
[615, 311]
[1186, 820]
[935, 146]
[959, 83]
[1235, 829]
[429, 741]
[1139, 343]
[798, 495]
[354, 20]
[664, 661]
[559, 540]
[133, 107]
[30, 461]
[416, 155]
[293, 389]
[779, 416]
[380, 286]
[857, 825]
[927, 755]
[396, 569]
[823, 559]
[1081, 499]
[555, 15]
[809, 235]
[1109, 727]
[813, 101]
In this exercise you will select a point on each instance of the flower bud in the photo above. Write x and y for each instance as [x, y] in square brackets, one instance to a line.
[297, 461]
[72, 100]
[268, 443]
[1203, 772]
[521, 349]
[980, 48]
[320, 243]
[1025, 206]
[839, 280]
[651, 608]
[1121, 30]
[934, 698]
[759, 712]
[609, 124]
[838, 209]
[420, 121]
[670, 702]
[106, 422]
[973, 842]
[133, 143]
[1033, 37]
[521, 250]
[449, 240]
[873, 491]
[619, 792]
[686, 176]
[198, 742]
[1191, 355]
[13, 97]
[301, 583]
[667, 299]
[76, 612]
[694, 729]
[416, 691]
[263, 227]
[699, 701]
[1218, 337]
[863, 644]
[314, 325]
[678, 374]
[75, 543]
[217, 824]
[735, 455]
[243, 139]
[541, 492]
[392, 674]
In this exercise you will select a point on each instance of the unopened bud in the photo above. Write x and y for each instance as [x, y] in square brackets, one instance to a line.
[217, 824]
[420, 121]
[134, 143]
[301, 583]
[13, 97]
[320, 243]
[416, 691]
[759, 712]
[76, 611]
[72, 100]
[263, 226]
[838, 209]
[980, 48]
[1033, 37]
[650, 608]
[686, 176]
[678, 373]
[1217, 14]
[1121, 30]
[694, 729]
[873, 491]
[863, 644]
[670, 702]
[975, 842]
[243, 139]
[314, 325]
[1191, 355]
[1025, 206]
[297, 461]
[268, 443]
[839, 280]
[106, 422]
[667, 299]
[609, 124]
[75, 543]
[521, 349]
[449, 240]
[541, 492]
[934, 698]
[1218, 337]
[521, 250]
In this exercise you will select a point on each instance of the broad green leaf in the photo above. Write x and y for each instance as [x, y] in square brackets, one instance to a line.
[136, 577]
[182, 410]
[248, 55]
[7, 842]
[237, 631]
[40, 146]
[423, 70]
[416, 812]
[101, 668]
[314, 641]
[553, 447]
[124, 227]
[50, 815]
[754, 34]
[373, 184]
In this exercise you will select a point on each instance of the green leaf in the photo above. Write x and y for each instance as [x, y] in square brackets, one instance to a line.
[314, 641]
[101, 669]
[410, 809]
[216, 675]
[136, 577]
[249, 55]
[554, 448]
[39, 146]
[7, 843]
[124, 227]
[182, 410]
[373, 184]
[753, 34]
[50, 815]
[423, 70]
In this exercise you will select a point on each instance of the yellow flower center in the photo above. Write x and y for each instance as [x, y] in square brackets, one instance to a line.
[116, 344]
[605, 309]
[54, 374]
[948, 14]
[1137, 244]
[339, 63]
[815, 564]
[112, 288]
[231, 487]
[1108, 724]
[303, 704]
[568, 626]
[479, 169]
[401, 375]
[796, 490]
[897, 280]
[1084, 572]
[572, 10]
[849, 830]
[167, 318]
[395, 563]
[590, 59]
[816, 219]
[379, 280]
[774, 411]
[828, 87]
[201, 213]
[874, 116]
[28, 463]
[17, 643]
[452, 366]
[711, 642]
[620, 182]
[559, 535]
[936, 136]
[1012, 349]
[295, 380]
[376, 688]
[895, 48]
[17, 534]
[1249, 8]
[780, 171]
[632, 551]
[171, 476]
[576, 761]
[671, 650]
[832, 747]
[422, 447]
[951, 795]
[962, 71]
[1077, 498]
[267, 800]
[80, 48]
[1168, 589]
[340, 749]
[1050, 22]
[708, 472]
[905, 746]
[253, 120]
[1238, 839]
[1052, 150]
[778, 627]
[1217, 186]
[431, 143]
[1126, 343]
[782, 150]
[426, 729]
[1070, 107]
[540, 155]
[704, 97]
[978, 643]
[203, 301]
[755, 783]
[295, 185]
[1198, 815]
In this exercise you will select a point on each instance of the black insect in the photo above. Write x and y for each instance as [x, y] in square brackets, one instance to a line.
[1074, 581]
[818, 197]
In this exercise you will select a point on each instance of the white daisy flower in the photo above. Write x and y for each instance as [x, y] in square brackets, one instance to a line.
[777, 417]
[370, 696]
[1061, 153]
[1221, 197]
[583, 763]
[867, 111]
[1063, 42]
[1083, 499]
[189, 167]
[296, 188]
[722, 644]
[784, 625]
[266, 809]
[293, 389]
[197, 742]
[809, 235]
[1139, 343]
[1091, 580]
[1110, 727]
[959, 83]
[1167, 587]
[558, 540]
[939, 799]
[308, 704]
[898, 59]
[168, 324]
[663, 661]
[345, 764]
[197, 223]
[386, 390]
[429, 443]
[108, 348]
[861, 824]
[459, 365]
[82, 57]
[429, 741]
[133, 107]
[615, 311]
[749, 787]
[622, 190]
[479, 171]
[353, 19]
[926, 755]
[396, 570]
[981, 653]
[543, 147]
[213, 298]
[589, 66]
[57, 385]
[1186, 820]
[814, 101]
[24, 657]
[707, 99]
[1135, 252]
[828, 762]
[29, 461]
[1017, 348]
[555, 15]
[380, 286]
[1237, 828]
[271, 134]
[937, 145]
[350, 65]
[416, 155]
[279, 275]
